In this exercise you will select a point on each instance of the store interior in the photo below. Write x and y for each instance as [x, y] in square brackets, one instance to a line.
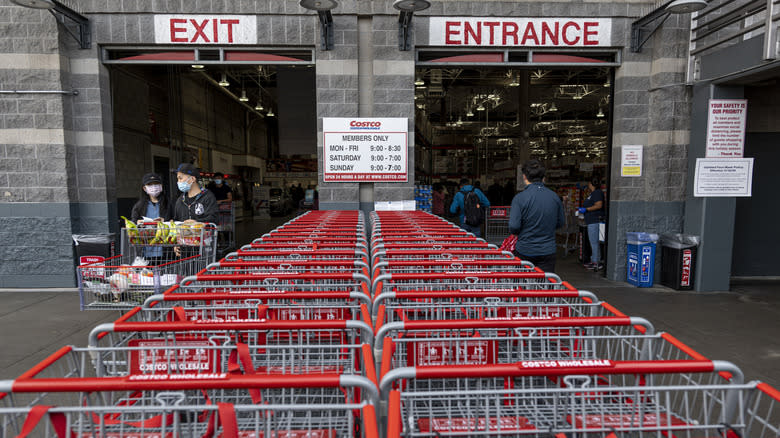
[484, 122]
[227, 118]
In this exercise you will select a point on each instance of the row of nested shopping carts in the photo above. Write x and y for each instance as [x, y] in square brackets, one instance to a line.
[399, 325]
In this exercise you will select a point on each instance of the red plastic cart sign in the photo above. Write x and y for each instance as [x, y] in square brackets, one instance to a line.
[687, 257]
[156, 356]
[97, 272]
[471, 352]
[581, 363]
[308, 313]
[365, 150]
[314, 433]
[492, 424]
[595, 421]
[499, 211]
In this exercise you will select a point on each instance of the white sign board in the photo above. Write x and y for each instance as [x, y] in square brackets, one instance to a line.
[365, 149]
[395, 205]
[726, 128]
[205, 29]
[631, 160]
[520, 32]
[725, 178]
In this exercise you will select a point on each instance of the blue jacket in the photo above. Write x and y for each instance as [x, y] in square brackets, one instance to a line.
[457, 201]
[535, 214]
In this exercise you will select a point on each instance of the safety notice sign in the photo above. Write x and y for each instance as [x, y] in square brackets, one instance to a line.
[723, 178]
[631, 160]
[365, 149]
[726, 128]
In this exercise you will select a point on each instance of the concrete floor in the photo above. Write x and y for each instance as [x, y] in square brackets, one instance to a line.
[741, 326]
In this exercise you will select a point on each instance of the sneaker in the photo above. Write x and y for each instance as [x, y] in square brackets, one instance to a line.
[589, 265]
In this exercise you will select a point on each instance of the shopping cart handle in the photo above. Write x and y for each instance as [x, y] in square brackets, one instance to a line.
[551, 368]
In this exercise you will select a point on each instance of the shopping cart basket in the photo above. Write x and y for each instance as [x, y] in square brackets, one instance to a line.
[116, 283]
[297, 254]
[299, 266]
[430, 266]
[206, 346]
[499, 341]
[158, 241]
[458, 280]
[190, 405]
[478, 304]
[283, 281]
[238, 304]
[580, 398]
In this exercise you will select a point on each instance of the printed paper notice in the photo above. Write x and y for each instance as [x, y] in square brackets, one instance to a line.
[631, 160]
[370, 150]
[724, 178]
[726, 128]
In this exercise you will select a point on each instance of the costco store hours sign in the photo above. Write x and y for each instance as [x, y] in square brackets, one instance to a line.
[365, 149]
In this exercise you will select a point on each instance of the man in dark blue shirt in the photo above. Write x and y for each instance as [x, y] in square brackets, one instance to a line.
[593, 209]
[535, 214]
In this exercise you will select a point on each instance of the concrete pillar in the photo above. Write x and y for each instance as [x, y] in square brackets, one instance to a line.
[710, 218]
[337, 96]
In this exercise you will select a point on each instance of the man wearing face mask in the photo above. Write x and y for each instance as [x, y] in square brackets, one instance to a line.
[220, 189]
[195, 203]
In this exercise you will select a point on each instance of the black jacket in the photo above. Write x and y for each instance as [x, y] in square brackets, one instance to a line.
[202, 208]
[139, 210]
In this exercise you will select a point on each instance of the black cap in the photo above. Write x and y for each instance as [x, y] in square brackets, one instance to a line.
[151, 178]
[188, 168]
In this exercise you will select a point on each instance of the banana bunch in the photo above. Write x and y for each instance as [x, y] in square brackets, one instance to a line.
[173, 234]
[132, 230]
[161, 236]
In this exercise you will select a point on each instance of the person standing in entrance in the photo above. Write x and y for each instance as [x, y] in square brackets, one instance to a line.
[535, 214]
[194, 204]
[471, 204]
[220, 189]
[593, 209]
[437, 206]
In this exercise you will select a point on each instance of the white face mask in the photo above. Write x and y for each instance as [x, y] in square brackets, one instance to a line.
[153, 190]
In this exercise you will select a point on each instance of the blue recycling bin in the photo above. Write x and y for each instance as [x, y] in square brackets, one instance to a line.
[640, 258]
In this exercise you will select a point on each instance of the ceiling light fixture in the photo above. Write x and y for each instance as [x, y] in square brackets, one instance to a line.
[224, 82]
[600, 114]
[607, 84]
[270, 112]
[259, 106]
[243, 97]
[469, 113]
[480, 108]
[198, 66]
[419, 81]
[553, 108]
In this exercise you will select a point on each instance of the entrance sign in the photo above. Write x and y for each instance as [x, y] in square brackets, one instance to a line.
[726, 128]
[724, 178]
[205, 29]
[365, 149]
[520, 32]
[631, 160]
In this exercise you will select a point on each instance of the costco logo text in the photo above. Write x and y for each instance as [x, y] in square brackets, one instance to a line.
[355, 124]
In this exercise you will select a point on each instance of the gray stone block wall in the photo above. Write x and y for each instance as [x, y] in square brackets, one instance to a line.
[337, 78]
[651, 107]
[34, 197]
[393, 96]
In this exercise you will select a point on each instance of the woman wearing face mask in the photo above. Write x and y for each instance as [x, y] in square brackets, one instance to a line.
[153, 202]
